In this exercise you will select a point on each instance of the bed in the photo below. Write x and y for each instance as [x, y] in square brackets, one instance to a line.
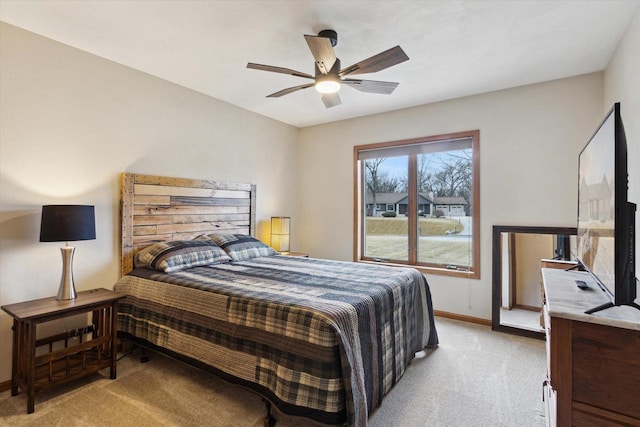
[320, 339]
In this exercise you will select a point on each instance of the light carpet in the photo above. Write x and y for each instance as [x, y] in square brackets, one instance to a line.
[476, 377]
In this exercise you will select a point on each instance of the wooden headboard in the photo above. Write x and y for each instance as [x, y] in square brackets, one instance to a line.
[159, 208]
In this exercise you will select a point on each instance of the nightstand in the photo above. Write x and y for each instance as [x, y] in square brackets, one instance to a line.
[298, 254]
[66, 356]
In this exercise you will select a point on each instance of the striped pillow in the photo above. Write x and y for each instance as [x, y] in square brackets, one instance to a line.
[240, 246]
[180, 254]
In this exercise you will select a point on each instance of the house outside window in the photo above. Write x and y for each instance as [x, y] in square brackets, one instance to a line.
[432, 184]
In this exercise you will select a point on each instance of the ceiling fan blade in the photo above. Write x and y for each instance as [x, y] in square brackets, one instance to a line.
[290, 90]
[371, 86]
[322, 52]
[378, 62]
[331, 99]
[278, 70]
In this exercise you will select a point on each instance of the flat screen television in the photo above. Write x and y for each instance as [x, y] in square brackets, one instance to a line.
[606, 219]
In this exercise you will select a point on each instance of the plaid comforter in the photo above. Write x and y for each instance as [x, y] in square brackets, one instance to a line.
[318, 338]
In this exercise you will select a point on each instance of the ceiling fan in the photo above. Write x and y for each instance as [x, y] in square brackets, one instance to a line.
[328, 74]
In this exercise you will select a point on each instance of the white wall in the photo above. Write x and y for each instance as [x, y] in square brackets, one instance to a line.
[72, 122]
[529, 142]
[622, 84]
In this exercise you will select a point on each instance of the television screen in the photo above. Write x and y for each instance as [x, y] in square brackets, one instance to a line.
[606, 219]
[596, 205]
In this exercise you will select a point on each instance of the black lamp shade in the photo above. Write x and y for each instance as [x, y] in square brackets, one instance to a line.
[66, 223]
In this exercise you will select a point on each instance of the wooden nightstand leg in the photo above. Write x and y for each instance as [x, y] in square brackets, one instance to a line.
[15, 356]
[31, 366]
[114, 338]
[98, 327]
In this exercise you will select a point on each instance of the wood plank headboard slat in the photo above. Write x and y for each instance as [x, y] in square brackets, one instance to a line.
[158, 208]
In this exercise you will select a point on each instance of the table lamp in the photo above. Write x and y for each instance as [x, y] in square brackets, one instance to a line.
[66, 223]
[280, 233]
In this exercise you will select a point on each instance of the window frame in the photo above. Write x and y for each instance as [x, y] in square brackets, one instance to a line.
[359, 214]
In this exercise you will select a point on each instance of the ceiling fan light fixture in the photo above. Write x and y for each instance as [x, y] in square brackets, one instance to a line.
[329, 75]
[327, 84]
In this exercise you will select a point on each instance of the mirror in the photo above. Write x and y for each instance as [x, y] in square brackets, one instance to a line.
[517, 254]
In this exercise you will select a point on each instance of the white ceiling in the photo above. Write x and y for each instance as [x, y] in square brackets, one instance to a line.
[456, 48]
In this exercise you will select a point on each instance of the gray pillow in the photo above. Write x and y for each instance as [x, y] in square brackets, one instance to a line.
[240, 246]
[180, 254]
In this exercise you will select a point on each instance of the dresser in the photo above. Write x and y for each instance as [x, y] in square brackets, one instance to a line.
[593, 361]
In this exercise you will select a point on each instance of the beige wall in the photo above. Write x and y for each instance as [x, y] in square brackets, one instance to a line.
[529, 142]
[72, 122]
[622, 84]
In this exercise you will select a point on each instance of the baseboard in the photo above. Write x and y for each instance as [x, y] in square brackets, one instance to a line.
[527, 307]
[470, 319]
[5, 385]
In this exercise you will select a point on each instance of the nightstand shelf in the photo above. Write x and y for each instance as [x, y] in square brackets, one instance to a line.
[67, 356]
[298, 254]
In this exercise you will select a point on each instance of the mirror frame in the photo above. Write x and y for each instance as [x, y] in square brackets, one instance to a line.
[497, 276]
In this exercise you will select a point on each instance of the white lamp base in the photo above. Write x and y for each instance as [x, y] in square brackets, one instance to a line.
[67, 288]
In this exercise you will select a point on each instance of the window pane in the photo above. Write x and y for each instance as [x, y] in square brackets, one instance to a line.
[448, 144]
[439, 198]
[386, 206]
[445, 206]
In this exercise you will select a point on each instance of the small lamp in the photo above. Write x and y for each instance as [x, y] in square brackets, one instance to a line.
[65, 223]
[280, 233]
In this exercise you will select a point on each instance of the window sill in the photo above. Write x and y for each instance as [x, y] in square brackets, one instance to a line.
[429, 270]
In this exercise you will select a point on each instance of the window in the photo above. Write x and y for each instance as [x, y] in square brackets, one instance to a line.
[433, 185]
